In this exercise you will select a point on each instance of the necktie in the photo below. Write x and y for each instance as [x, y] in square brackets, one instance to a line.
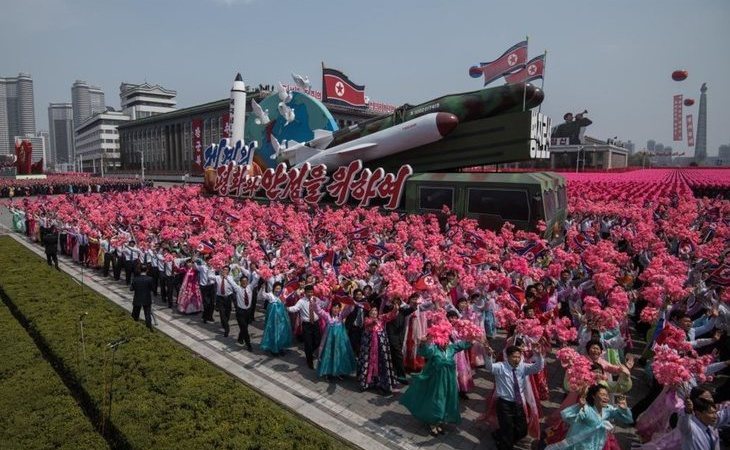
[223, 284]
[516, 387]
[312, 315]
[245, 298]
[711, 438]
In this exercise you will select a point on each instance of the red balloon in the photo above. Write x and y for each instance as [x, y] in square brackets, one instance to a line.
[679, 75]
[689, 102]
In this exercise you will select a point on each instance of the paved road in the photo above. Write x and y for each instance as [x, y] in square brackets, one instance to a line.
[367, 419]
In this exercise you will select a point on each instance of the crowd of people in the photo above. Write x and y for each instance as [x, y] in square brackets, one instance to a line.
[62, 184]
[414, 303]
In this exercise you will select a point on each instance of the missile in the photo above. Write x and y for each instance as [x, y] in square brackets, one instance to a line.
[392, 140]
[237, 110]
[465, 106]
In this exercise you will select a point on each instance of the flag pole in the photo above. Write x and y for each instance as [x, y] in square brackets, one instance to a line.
[324, 91]
[524, 84]
[542, 80]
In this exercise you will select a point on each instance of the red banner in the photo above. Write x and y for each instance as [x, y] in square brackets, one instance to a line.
[690, 131]
[677, 117]
[226, 132]
[24, 153]
[311, 183]
[197, 128]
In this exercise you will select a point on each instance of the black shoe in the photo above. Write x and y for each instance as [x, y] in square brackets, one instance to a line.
[310, 365]
[249, 348]
[463, 395]
[225, 333]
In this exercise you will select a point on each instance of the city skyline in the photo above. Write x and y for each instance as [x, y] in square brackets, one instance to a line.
[614, 60]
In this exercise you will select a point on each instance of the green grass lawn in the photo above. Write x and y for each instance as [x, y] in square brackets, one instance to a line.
[38, 411]
[164, 395]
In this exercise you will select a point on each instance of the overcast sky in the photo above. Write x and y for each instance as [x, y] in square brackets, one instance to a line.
[612, 57]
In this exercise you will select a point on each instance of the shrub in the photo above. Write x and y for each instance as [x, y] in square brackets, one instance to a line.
[164, 396]
[38, 410]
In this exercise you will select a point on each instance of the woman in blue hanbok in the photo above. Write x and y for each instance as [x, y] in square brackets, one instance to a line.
[336, 358]
[277, 328]
[590, 422]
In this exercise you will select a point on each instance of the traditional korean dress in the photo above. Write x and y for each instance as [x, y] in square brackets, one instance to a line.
[277, 328]
[190, 300]
[415, 330]
[335, 356]
[433, 395]
[19, 221]
[591, 430]
[374, 365]
[464, 374]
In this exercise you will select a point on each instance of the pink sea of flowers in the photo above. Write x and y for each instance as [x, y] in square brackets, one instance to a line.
[650, 208]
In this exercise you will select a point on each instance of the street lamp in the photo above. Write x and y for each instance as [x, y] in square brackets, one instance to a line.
[142, 153]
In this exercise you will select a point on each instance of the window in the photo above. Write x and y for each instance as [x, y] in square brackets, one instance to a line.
[506, 203]
[562, 199]
[548, 198]
[435, 198]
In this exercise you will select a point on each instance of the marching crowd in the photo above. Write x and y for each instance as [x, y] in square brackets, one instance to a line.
[413, 305]
[62, 184]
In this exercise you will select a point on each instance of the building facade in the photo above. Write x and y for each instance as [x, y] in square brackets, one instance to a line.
[166, 139]
[97, 142]
[61, 134]
[17, 110]
[144, 100]
[594, 154]
[86, 101]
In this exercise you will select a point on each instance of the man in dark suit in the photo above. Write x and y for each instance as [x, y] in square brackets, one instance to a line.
[396, 329]
[142, 287]
[50, 242]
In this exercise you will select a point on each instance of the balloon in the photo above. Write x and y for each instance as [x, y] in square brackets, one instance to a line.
[689, 102]
[679, 75]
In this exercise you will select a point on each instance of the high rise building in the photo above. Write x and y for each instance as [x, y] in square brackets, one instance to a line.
[701, 142]
[61, 130]
[144, 100]
[17, 111]
[86, 101]
[723, 152]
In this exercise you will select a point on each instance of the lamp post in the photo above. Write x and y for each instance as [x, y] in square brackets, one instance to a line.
[142, 153]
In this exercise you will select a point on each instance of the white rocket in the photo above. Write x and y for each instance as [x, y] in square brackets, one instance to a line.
[399, 138]
[238, 111]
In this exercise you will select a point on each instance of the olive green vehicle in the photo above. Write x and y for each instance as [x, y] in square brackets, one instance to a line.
[522, 199]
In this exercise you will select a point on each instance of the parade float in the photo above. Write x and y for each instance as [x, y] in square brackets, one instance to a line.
[290, 148]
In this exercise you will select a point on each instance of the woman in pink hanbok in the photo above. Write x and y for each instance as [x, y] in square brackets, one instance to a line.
[190, 300]
[464, 373]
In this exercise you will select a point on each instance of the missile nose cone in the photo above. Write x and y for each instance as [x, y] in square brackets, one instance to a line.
[446, 123]
[238, 77]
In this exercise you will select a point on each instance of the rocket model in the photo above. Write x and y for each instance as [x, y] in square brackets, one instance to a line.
[413, 133]
[408, 127]
[238, 111]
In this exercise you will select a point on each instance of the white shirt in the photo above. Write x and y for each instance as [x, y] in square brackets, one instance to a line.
[695, 434]
[503, 379]
[229, 287]
[244, 295]
[302, 307]
[205, 274]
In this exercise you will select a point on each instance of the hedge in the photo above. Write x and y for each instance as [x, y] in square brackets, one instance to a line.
[38, 411]
[164, 396]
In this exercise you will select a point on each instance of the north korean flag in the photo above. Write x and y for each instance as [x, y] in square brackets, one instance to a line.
[510, 61]
[425, 283]
[337, 88]
[533, 70]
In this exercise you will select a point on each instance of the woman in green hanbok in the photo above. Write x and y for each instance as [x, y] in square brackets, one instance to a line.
[18, 221]
[433, 394]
